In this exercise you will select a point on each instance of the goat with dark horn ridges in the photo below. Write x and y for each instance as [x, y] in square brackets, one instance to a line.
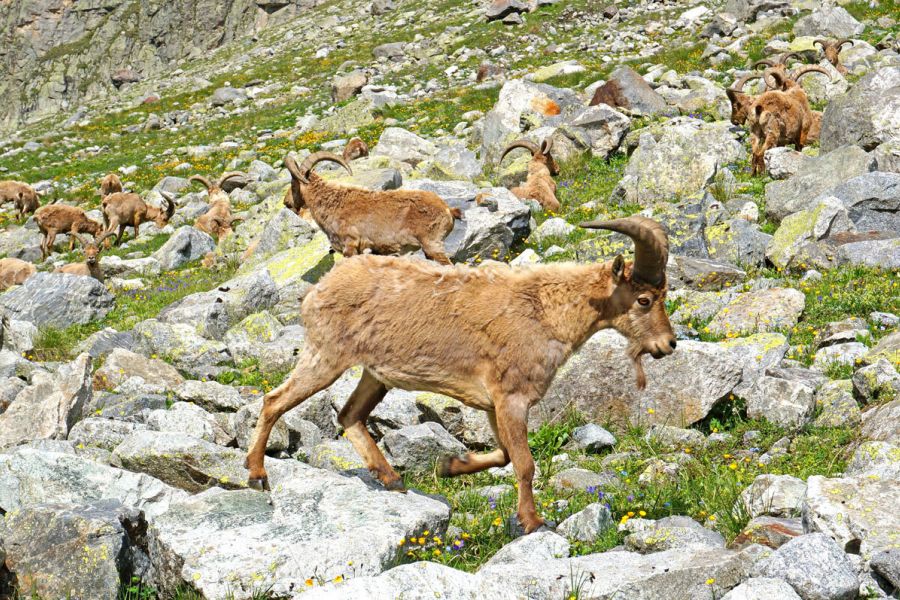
[539, 184]
[832, 51]
[357, 220]
[491, 337]
[740, 100]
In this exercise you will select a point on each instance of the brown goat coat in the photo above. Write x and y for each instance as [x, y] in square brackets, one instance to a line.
[357, 220]
[14, 271]
[121, 210]
[539, 185]
[91, 265]
[54, 219]
[23, 196]
[779, 118]
[491, 337]
[111, 184]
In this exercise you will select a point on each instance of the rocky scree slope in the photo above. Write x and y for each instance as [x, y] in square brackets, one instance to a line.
[761, 461]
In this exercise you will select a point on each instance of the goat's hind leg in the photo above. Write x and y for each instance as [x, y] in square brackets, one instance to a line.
[368, 393]
[435, 251]
[474, 463]
[312, 374]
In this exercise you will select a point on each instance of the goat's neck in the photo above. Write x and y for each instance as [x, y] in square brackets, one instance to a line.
[577, 303]
[96, 271]
[319, 195]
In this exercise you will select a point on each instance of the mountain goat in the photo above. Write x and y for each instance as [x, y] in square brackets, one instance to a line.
[491, 337]
[121, 210]
[539, 184]
[62, 218]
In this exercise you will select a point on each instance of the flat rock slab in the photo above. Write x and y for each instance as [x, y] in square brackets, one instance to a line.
[314, 524]
[58, 300]
[675, 575]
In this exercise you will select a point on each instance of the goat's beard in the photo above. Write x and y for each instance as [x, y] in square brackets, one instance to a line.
[636, 353]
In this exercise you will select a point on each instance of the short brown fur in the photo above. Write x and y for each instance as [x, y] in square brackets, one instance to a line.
[14, 271]
[491, 337]
[91, 265]
[539, 184]
[218, 220]
[23, 196]
[126, 209]
[62, 218]
[111, 184]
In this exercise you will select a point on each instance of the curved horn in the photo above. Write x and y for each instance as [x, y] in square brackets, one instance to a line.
[651, 245]
[294, 169]
[80, 240]
[841, 42]
[739, 84]
[170, 204]
[99, 241]
[821, 42]
[787, 55]
[801, 71]
[527, 144]
[546, 146]
[764, 62]
[201, 179]
[238, 220]
[226, 176]
[316, 157]
[777, 79]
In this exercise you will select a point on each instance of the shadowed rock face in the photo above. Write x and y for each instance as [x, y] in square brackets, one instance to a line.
[57, 53]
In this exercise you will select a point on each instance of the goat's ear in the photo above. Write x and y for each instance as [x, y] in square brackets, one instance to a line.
[618, 269]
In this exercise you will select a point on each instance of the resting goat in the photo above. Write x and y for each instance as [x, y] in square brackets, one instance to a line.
[14, 271]
[91, 265]
[832, 50]
[355, 148]
[111, 184]
[357, 220]
[61, 218]
[121, 210]
[539, 184]
[491, 337]
[217, 221]
[779, 118]
[23, 196]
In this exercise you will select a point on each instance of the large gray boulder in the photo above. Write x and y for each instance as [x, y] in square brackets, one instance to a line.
[486, 233]
[72, 550]
[58, 300]
[626, 89]
[857, 512]
[882, 254]
[784, 402]
[185, 245]
[31, 476]
[669, 533]
[679, 164]
[418, 447]
[804, 229]
[867, 115]
[122, 365]
[762, 588]
[50, 406]
[599, 381]
[829, 21]
[313, 524]
[522, 106]
[604, 128]
[815, 566]
[98, 432]
[815, 177]
[774, 495]
[404, 146]
[181, 344]
[872, 200]
[587, 524]
[747, 10]
[762, 310]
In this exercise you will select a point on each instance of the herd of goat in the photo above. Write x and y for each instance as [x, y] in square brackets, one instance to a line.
[502, 332]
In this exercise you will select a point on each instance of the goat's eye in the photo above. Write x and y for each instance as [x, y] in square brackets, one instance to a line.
[644, 301]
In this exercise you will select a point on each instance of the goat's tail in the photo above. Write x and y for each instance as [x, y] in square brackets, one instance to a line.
[456, 214]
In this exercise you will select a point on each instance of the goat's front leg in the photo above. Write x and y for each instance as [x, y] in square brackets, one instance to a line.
[49, 241]
[311, 375]
[368, 393]
[474, 463]
[512, 425]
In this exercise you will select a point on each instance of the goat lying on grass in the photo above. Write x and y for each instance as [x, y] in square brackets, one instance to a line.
[14, 271]
[91, 265]
[779, 118]
[217, 221]
[62, 218]
[23, 196]
[491, 337]
[357, 220]
[539, 184]
[832, 51]
[355, 148]
[121, 210]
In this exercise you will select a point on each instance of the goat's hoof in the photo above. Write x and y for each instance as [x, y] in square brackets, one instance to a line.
[260, 485]
[395, 486]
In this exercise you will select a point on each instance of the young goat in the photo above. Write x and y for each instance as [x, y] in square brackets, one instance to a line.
[62, 218]
[23, 196]
[355, 148]
[111, 184]
[217, 221]
[779, 118]
[358, 220]
[491, 337]
[121, 210]
[14, 271]
[539, 184]
[91, 265]
[832, 50]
